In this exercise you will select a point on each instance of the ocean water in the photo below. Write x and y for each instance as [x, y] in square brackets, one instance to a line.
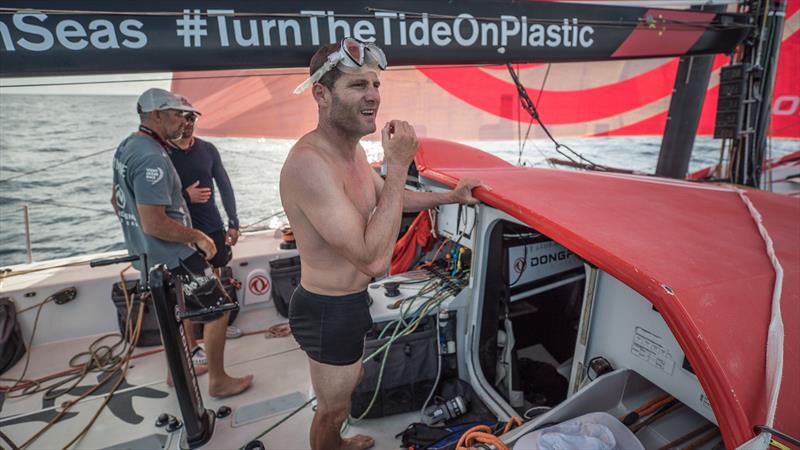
[56, 151]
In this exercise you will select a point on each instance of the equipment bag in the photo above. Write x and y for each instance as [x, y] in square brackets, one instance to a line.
[408, 376]
[12, 347]
[285, 274]
[150, 334]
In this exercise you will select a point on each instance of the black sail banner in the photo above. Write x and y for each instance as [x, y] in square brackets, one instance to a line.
[83, 37]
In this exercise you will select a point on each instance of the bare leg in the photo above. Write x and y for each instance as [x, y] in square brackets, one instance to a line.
[188, 330]
[334, 385]
[220, 384]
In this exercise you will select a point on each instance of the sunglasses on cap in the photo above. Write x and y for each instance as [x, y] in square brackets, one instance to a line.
[352, 54]
[183, 114]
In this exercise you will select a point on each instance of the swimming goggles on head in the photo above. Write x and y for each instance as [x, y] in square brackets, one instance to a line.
[353, 54]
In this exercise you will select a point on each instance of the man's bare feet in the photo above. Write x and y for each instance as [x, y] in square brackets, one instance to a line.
[357, 442]
[229, 386]
[198, 370]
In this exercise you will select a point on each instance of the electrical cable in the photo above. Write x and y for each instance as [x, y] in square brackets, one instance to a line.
[435, 301]
[664, 410]
[438, 370]
[645, 409]
[688, 436]
[418, 315]
[702, 440]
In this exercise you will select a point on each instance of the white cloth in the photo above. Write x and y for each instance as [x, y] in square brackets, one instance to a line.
[585, 436]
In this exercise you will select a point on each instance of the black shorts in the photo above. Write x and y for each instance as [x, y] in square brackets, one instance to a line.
[201, 287]
[224, 253]
[330, 329]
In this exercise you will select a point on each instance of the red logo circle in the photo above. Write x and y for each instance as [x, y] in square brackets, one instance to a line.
[259, 285]
[519, 265]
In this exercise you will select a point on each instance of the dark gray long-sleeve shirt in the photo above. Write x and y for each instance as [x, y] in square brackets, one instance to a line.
[201, 162]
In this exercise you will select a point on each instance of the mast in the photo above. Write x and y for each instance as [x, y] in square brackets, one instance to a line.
[758, 65]
[685, 108]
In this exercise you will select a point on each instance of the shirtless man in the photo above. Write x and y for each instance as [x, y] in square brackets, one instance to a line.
[346, 219]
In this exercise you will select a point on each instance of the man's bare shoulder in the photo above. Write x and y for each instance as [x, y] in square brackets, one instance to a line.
[304, 157]
[307, 169]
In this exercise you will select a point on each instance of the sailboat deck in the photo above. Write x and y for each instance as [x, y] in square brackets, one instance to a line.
[281, 374]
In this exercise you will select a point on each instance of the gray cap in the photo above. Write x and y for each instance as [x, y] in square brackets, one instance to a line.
[155, 99]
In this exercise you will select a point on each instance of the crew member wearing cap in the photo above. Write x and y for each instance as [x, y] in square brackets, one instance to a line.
[147, 198]
[346, 219]
[199, 166]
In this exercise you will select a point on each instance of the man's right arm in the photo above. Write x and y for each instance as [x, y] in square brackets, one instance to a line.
[152, 180]
[156, 223]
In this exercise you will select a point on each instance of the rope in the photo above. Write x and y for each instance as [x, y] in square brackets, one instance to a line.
[110, 363]
[482, 434]
[774, 350]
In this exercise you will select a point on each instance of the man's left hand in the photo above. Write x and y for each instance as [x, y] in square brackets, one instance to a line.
[463, 191]
[232, 236]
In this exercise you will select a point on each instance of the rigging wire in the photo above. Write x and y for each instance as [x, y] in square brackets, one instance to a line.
[647, 20]
[53, 203]
[530, 123]
[529, 106]
[219, 77]
[60, 163]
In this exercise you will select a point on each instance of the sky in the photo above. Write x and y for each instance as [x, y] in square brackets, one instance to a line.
[124, 85]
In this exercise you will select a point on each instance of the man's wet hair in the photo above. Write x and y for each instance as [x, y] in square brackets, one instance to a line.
[319, 58]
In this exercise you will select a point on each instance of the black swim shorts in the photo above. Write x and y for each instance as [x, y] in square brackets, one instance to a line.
[330, 329]
[201, 288]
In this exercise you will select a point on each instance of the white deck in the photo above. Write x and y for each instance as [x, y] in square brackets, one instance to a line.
[280, 368]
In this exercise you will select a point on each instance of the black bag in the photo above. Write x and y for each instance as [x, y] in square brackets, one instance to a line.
[285, 274]
[408, 376]
[150, 334]
[12, 347]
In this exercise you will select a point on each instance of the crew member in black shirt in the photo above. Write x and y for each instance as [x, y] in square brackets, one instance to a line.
[199, 165]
